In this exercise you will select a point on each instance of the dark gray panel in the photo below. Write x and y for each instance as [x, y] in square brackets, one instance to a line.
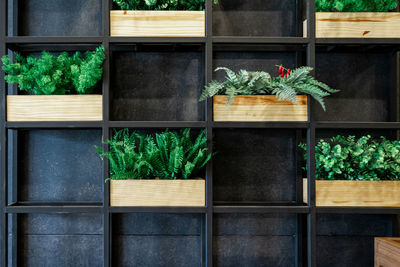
[157, 86]
[61, 224]
[253, 61]
[347, 240]
[60, 240]
[365, 82]
[255, 165]
[61, 250]
[277, 251]
[343, 251]
[165, 251]
[354, 224]
[156, 224]
[60, 165]
[60, 18]
[254, 224]
[254, 18]
[154, 239]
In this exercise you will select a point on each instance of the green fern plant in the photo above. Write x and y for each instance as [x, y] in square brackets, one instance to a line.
[168, 155]
[161, 4]
[348, 158]
[55, 75]
[355, 5]
[285, 87]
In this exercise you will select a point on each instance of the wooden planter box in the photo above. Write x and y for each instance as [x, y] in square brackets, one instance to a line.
[355, 193]
[157, 23]
[356, 25]
[259, 108]
[54, 108]
[157, 193]
[387, 252]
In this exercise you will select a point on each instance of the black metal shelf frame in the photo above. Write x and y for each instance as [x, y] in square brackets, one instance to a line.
[306, 246]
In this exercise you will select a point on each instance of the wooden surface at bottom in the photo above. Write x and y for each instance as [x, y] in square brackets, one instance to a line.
[387, 252]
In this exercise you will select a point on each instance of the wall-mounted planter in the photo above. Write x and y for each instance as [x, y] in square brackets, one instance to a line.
[173, 193]
[259, 108]
[157, 23]
[356, 25]
[355, 193]
[54, 108]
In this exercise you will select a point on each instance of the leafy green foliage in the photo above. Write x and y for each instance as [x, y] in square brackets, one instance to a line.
[55, 75]
[348, 158]
[261, 83]
[355, 5]
[168, 155]
[161, 4]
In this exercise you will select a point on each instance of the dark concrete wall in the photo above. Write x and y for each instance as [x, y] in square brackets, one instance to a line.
[60, 18]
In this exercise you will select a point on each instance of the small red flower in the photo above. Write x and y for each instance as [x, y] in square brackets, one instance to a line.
[281, 70]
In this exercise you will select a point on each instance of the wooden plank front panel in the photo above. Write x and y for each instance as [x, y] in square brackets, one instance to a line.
[259, 108]
[355, 193]
[54, 107]
[157, 193]
[157, 23]
[387, 252]
[357, 24]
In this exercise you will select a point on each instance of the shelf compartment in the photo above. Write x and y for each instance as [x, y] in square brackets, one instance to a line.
[56, 18]
[175, 193]
[356, 25]
[157, 239]
[351, 236]
[271, 159]
[355, 193]
[259, 108]
[54, 108]
[157, 83]
[44, 175]
[58, 239]
[245, 17]
[157, 23]
[247, 239]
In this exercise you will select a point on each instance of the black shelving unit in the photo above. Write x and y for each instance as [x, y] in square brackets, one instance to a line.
[214, 225]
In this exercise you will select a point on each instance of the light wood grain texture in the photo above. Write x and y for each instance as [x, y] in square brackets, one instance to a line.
[157, 23]
[356, 24]
[54, 108]
[157, 193]
[387, 252]
[355, 193]
[259, 108]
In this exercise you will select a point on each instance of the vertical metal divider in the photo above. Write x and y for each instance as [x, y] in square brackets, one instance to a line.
[311, 219]
[209, 130]
[107, 220]
[3, 142]
[12, 153]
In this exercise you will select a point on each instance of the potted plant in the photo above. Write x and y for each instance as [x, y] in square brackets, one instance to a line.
[256, 96]
[156, 170]
[356, 18]
[58, 87]
[162, 18]
[356, 172]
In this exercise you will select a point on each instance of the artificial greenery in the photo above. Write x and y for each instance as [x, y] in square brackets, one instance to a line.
[285, 87]
[168, 155]
[355, 5]
[55, 75]
[348, 158]
[161, 4]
